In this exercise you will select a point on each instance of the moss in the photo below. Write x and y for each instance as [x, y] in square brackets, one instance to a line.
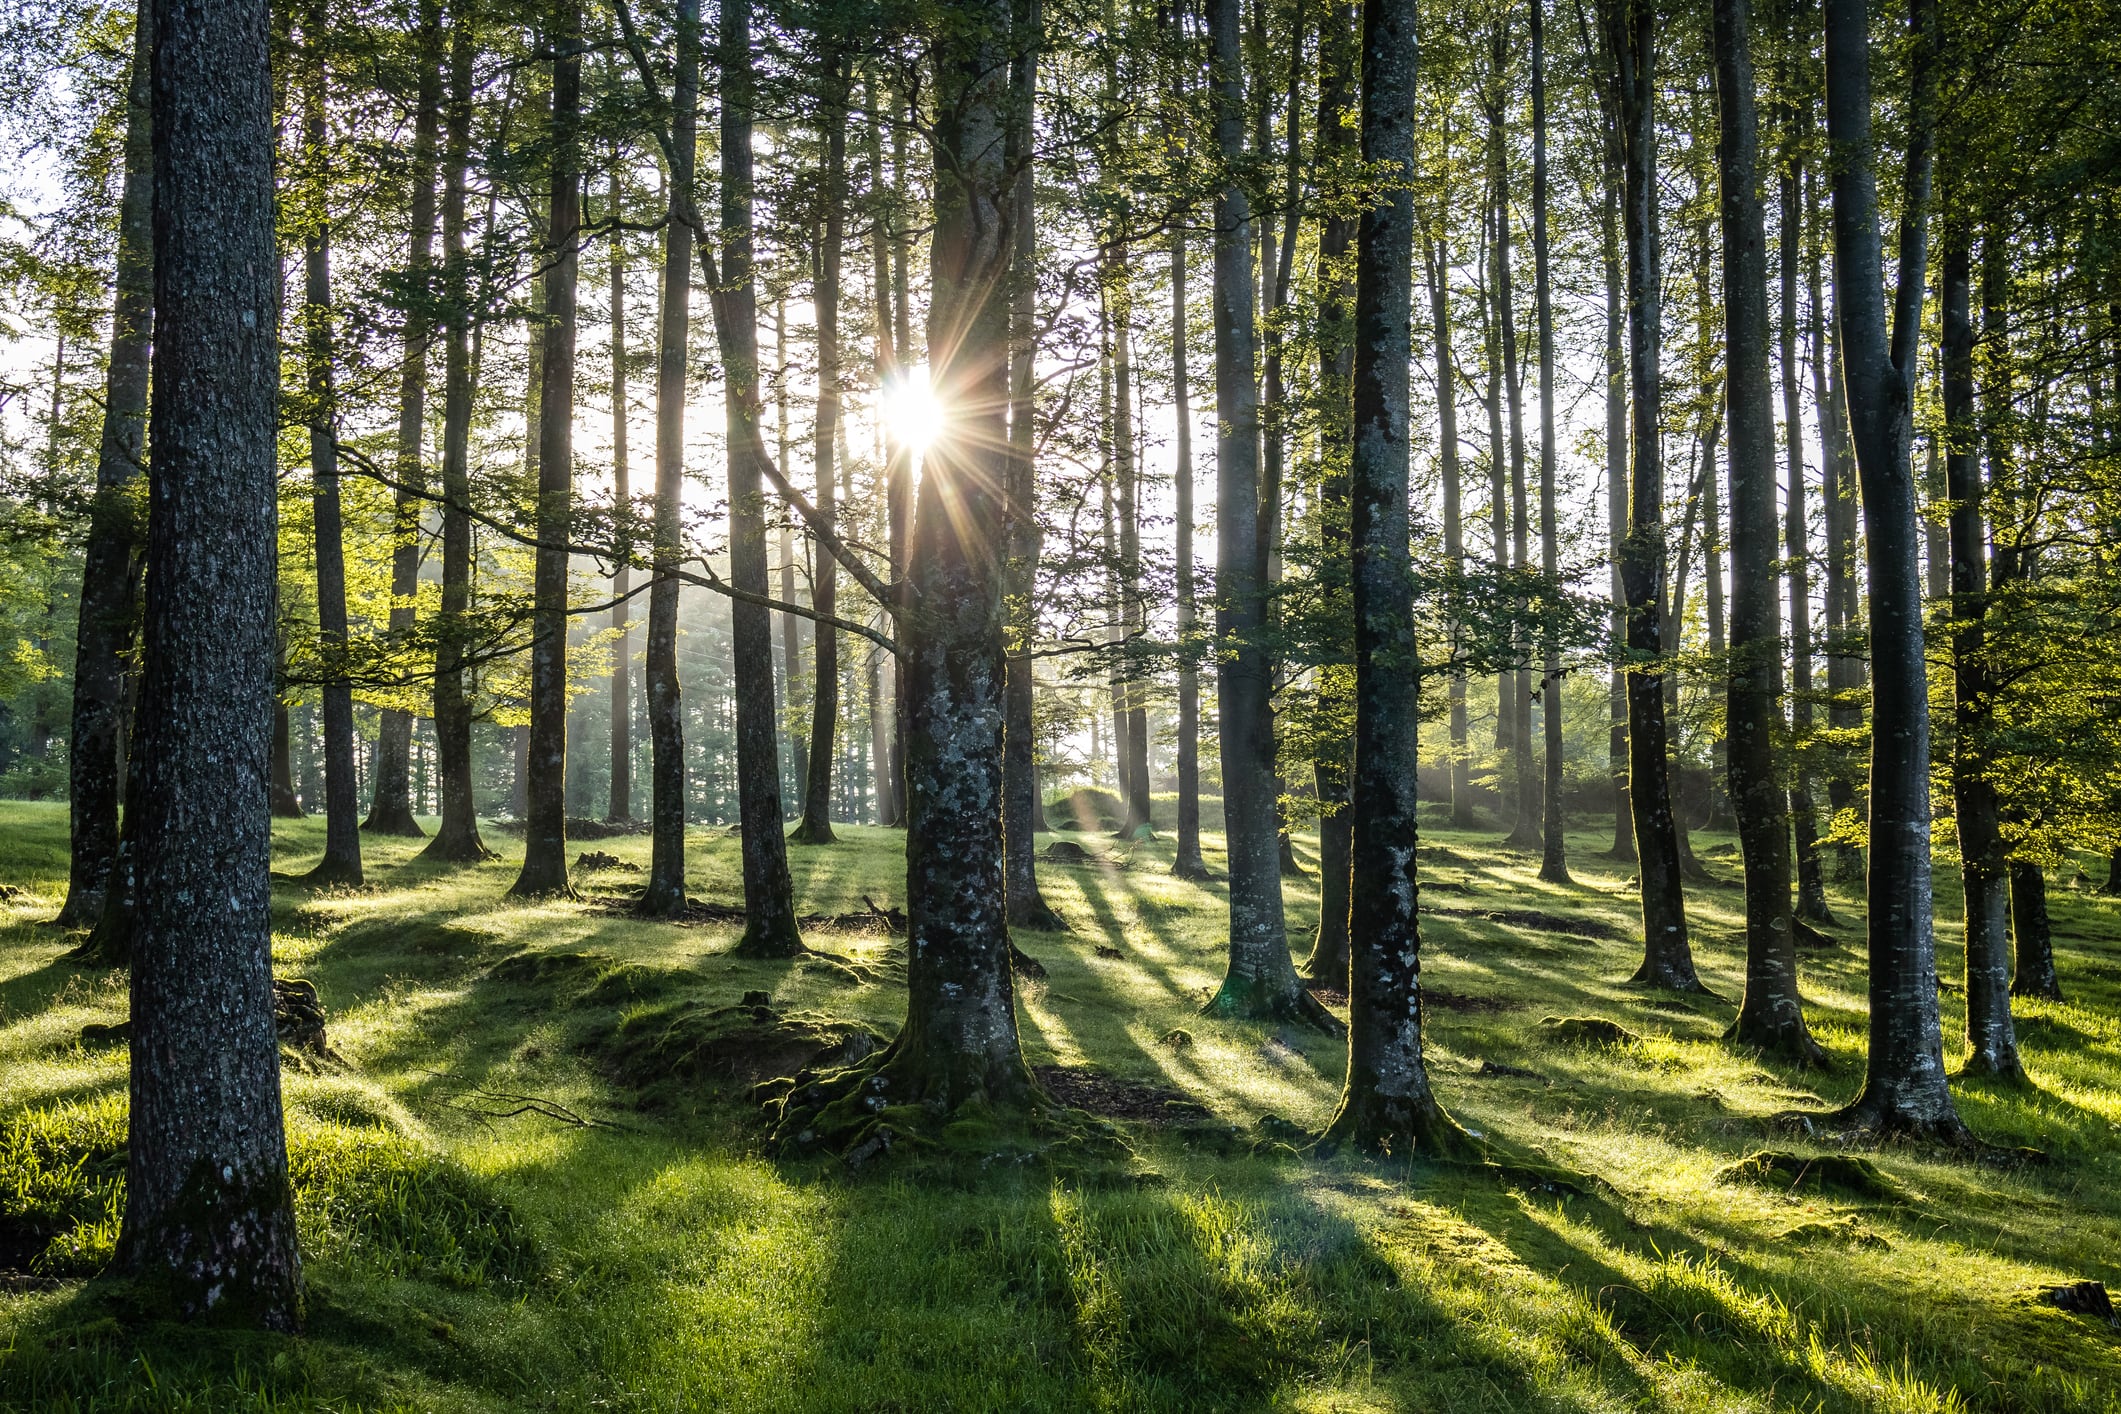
[656, 1050]
[1587, 1031]
[1848, 1174]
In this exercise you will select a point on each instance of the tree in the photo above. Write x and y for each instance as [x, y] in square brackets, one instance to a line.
[1904, 1090]
[209, 1214]
[1387, 1103]
[1771, 1013]
[1554, 862]
[620, 801]
[1186, 862]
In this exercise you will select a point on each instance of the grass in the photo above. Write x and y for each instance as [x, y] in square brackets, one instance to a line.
[656, 1260]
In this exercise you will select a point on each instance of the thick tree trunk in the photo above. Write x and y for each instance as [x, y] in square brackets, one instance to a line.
[1771, 1014]
[1984, 864]
[620, 807]
[1904, 1089]
[342, 807]
[1021, 799]
[2031, 931]
[110, 566]
[665, 894]
[209, 1215]
[1261, 981]
[391, 807]
[456, 837]
[816, 825]
[769, 896]
[1187, 863]
[1668, 959]
[1454, 548]
[1554, 863]
[545, 833]
[1387, 1104]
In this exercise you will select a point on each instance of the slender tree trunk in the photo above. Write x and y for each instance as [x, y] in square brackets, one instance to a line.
[770, 928]
[456, 837]
[1261, 981]
[2032, 933]
[1904, 1088]
[545, 836]
[342, 807]
[665, 894]
[285, 802]
[1134, 756]
[1668, 960]
[1188, 863]
[209, 1215]
[621, 798]
[1515, 685]
[1811, 876]
[1771, 1014]
[891, 809]
[1021, 802]
[791, 624]
[1984, 865]
[899, 493]
[1616, 488]
[1454, 549]
[1554, 863]
[1387, 1104]
[1843, 673]
[110, 567]
[816, 825]
[391, 808]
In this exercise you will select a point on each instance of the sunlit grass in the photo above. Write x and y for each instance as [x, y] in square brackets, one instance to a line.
[664, 1263]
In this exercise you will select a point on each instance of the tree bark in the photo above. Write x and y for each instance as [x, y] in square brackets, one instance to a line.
[1187, 862]
[620, 807]
[1616, 488]
[342, 808]
[1261, 981]
[1771, 1013]
[391, 807]
[110, 567]
[456, 837]
[209, 1216]
[816, 825]
[770, 928]
[1811, 875]
[285, 802]
[1554, 862]
[2032, 933]
[545, 835]
[1984, 864]
[1515, 685]
[1454, 549]
[1668, 960]
[1904, 1089]
[665, 894]
[1387, 1104]
[890, 798]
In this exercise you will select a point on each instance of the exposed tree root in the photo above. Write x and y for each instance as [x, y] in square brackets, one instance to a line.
[1665, 976]
[1192, 869]
[1238, 1001]
[813, 832]
[1789, 1041]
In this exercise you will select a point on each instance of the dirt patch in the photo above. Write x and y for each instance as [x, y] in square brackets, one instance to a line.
[1069, 852]
[1466, 1002]
[1082, 1088]
[1331, 996]
[1495, 1070]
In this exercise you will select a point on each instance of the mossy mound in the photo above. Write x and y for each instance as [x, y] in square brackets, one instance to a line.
[1587, 1031]
[688, 1043]
[1844, 1231]
[1846, 1174]
[1087, 809]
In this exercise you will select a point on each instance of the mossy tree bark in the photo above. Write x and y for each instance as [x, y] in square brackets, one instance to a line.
[1904, 1086]
[390, 808]
[770, 928]
[456, 838]
[1771, 1013]
[544, 871]
[665, 894]
[1261, 981]
[1387, 1104]
[342, 825]
[209, 1218]
[110, 568]
[1630, 30]
[1984, 868]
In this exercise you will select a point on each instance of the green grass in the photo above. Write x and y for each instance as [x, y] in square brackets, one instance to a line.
[658, 1261]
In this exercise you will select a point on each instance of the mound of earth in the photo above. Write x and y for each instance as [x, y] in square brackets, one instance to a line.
[1848, 1174]
[692, 1043]
[1108, 1096]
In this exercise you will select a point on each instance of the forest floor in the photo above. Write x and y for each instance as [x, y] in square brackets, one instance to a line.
[473, 1245]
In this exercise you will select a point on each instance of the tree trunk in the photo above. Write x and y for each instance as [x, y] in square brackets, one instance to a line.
[2031, 931]
[1904, 1088]
[665, 894]
[1021, 800]
[456, 837]
[1387, 1105]
[1771, 1013]
[1843, 673]
[285, 802]
[621, 798]
[1454, 549]
[1616, 487]
[816, 825]
[1984, 864]
[1187, 864]
[110, 567]
[890, 804]
[545, 833]
[209, 1215]
[1811, 876]
[769, 896]
[342, 807]
[391, 808]
[1554, 862]
[1261, 981]
[1515, 685]
[1668, 960]
[1134, 755]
